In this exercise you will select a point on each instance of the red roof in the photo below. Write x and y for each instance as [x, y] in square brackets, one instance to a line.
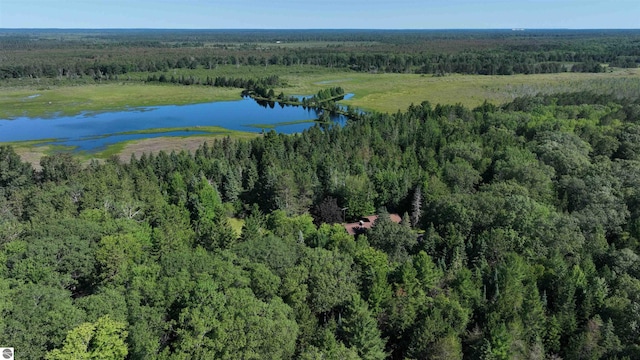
[367, 223]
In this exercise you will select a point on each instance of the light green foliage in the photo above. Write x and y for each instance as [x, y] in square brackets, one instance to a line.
[360, 194]
[448, 347]
[253, 228]
[292, 227]
[498, 345]
[374, 269]
[533, 315]
[390, 187]
[177, 189]
[119, 254]
[104, 339]
[508, 288]
[76, 345]
[210, 221]
[334, 237]
[552, 335]
[467, 287]
[427, 273]
[565, 152]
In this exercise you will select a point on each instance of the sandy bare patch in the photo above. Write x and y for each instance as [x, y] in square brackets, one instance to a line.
[168, 144]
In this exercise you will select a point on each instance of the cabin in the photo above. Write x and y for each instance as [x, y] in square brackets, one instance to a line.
[367, 222]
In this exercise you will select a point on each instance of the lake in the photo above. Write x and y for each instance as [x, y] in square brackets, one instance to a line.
[94, 131]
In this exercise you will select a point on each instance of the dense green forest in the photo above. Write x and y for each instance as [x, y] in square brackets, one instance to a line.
[107, 54]
[519, 240]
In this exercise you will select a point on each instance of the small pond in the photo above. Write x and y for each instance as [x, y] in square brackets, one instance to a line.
[94, 131]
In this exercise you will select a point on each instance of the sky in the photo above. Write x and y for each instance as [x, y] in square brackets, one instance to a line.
[322, 14]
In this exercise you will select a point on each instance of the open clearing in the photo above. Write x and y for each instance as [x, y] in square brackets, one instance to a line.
[393, 92]
[168, 144]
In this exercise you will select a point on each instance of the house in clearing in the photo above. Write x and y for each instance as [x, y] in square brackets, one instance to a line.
[367, 222]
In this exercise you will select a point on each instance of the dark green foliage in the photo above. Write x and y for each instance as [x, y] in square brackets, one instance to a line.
[327, 211]
[360, 331]
[397, 240]
[13, 172]
[59, 167]
[331, 280]
[38, 318]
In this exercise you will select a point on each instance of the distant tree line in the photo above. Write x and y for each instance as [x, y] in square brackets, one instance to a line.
[492, 53]
[474, 64]
[220, 81]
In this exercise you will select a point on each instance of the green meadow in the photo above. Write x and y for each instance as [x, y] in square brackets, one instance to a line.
[393, 92]
[47, 101]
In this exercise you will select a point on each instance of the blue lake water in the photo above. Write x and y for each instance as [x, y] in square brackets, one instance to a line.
[94, 131]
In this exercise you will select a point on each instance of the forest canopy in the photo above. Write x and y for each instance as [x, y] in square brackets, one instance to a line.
[108, 54]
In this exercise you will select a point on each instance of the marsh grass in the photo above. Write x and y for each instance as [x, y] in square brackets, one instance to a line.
[73, 100]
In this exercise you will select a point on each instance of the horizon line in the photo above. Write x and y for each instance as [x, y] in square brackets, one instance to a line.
[302, 29]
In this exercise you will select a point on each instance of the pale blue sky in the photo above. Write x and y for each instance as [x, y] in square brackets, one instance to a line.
[333, 14]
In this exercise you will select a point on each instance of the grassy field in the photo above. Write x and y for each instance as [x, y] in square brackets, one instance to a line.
[393, 92]
[36, 101]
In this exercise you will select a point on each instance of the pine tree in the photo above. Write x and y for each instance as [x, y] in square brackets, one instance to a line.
[360, 330]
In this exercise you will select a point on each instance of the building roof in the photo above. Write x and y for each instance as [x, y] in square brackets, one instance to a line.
[367, 223]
